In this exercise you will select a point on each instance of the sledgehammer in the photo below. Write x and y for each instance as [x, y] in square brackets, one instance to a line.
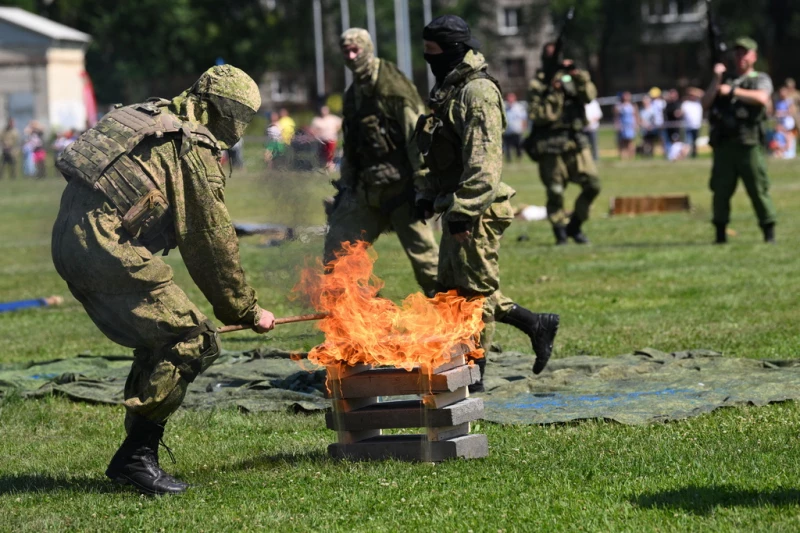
[278, 322]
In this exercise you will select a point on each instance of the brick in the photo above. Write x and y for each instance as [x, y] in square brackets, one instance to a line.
[398, 382]
[412, 448]
[405, 414]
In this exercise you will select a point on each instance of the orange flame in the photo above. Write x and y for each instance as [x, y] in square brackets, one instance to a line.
[365, 329]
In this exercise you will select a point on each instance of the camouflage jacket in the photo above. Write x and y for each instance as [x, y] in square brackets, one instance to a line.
[186, 169]
[462, 143]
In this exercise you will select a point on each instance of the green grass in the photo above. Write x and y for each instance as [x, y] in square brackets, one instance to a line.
[646, 281]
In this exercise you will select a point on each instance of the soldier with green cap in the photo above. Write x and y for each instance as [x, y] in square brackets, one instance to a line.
[147, 178]
[560, 146]
[376, 187]
[737, 115]
[462, 141]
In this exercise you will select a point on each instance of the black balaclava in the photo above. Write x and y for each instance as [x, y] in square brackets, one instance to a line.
[452, 33]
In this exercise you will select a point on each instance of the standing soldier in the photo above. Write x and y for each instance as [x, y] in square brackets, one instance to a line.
[738, 114]
[560, 145]
[462, 141]
[376, 188]
[148, 178]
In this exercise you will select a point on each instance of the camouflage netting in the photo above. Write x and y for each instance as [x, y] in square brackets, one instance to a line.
[639, 388]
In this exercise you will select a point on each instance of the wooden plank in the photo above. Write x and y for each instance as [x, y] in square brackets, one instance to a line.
[343, 371]
[637, 205]
[412, 448]
[405, 414]
[397, 382]
[443, 399]
[448, 432]
[455, 362]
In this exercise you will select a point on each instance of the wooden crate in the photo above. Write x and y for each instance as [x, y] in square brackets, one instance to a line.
[443, 410]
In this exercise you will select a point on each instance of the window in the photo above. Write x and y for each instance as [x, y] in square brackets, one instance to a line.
[671, 11]
[515, 68]
[508, 20]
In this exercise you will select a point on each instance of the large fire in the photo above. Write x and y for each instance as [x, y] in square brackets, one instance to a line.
[365, 329]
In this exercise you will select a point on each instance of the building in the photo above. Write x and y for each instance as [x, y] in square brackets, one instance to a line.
[42, 71]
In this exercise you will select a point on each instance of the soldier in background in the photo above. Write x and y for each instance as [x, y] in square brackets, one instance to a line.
[462, 141]
[560, 145]
[148, 178]
[376, 188]
[738, 114]
[9, 145]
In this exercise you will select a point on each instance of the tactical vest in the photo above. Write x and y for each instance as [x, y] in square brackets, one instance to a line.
[98, 160]
[733, 120]
[374, 141]
[438, 141]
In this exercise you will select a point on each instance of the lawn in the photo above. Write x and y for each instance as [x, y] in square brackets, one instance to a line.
[646, 281]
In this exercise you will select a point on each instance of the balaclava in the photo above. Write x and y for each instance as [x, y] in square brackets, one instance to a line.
[453, 35]
[364, 65]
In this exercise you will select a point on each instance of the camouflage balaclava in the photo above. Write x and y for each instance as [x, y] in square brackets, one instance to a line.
[364, 65]
[224, 99]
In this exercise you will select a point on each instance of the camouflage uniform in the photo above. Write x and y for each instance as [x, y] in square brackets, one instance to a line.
[376, 188]
[9, 152]
[559, 144]
[462, 143]
[148, 178]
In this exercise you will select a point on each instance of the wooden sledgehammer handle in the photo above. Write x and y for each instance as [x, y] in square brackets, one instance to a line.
[278, 322]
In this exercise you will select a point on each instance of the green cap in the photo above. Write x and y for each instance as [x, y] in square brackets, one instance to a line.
[747, 43]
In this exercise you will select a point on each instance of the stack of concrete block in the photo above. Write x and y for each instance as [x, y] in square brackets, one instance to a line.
[444, 411]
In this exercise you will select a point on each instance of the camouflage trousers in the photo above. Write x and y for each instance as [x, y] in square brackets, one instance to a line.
[129, 294]
[472, 268]
[363, 216]
[557, 171]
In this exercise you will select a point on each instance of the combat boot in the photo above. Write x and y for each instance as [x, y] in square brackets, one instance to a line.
[540, 327]
[560, 232]
[136, 461]
[769, 232]
[574, 232]
[722, 234]
[478, 386]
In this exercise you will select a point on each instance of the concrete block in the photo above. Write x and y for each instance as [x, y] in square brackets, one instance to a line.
[345, 406]
[405, 414]
[448, 432]
[350, 437]
[443, 399]
[398, 382]
[412, 448]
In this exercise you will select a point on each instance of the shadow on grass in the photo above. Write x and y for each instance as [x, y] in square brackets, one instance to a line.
[44, 483]
[703, 500]
[278, 460]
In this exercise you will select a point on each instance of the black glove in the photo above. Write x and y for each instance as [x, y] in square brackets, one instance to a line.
[457, 226]
[423, 210]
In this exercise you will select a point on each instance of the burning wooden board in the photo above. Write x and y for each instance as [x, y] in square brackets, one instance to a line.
[638, 205]
[445, 411]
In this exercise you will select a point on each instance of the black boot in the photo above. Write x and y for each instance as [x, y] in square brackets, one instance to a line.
[574, 231]
[769, 232]
[560, 231]
[540, 327]
[478, 387]
[136, 461]
[722, 234]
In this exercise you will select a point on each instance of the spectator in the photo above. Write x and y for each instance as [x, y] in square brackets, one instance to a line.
[33, 150]
[626, 119]
[594, 114]
[236, 153]
[62, 141]
[784, 141]
[326, 128]
[651, 118]
[287, 126]
[9, 143]
[692, 112]
[794, 94]
[672, 119]
[275, 147]
[659, 105]
[517, 127]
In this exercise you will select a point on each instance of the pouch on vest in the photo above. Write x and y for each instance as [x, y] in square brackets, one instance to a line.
[149, 221]
[376, 136]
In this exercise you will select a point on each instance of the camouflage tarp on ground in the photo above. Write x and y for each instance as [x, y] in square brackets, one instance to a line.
[643, 387]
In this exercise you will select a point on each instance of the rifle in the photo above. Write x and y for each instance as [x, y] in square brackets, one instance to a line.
[552, 64]
[719, 53]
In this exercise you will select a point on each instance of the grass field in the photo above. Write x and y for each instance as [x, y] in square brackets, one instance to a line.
[647, 281]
